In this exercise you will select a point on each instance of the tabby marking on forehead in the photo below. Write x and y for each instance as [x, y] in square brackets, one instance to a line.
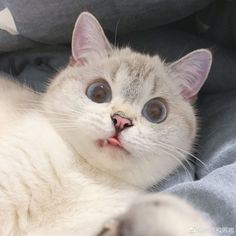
[138, 68]
[132, 90]
[154, 86]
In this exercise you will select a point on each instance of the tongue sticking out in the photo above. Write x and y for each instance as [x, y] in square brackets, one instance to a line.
[114, 141]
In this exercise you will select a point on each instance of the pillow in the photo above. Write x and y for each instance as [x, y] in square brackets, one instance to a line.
[30, 22]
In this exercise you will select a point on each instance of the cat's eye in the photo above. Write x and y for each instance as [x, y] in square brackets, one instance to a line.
[155, 110]
[99, 91]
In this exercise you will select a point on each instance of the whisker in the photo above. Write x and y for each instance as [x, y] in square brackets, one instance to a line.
[186, 152]
[116, 31]
[179, 161]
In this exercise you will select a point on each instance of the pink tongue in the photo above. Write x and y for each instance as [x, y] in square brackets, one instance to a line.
[113, 141]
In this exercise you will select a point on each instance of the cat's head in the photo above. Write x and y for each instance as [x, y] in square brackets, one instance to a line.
[126, 113]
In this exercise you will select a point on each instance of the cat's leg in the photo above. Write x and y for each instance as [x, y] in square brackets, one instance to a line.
[159, 215]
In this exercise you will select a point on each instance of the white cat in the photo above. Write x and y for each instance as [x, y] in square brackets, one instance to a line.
[111, 124]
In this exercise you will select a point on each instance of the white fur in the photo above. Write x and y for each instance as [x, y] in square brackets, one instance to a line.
[45, 186]
[159, 214]
[54, 178]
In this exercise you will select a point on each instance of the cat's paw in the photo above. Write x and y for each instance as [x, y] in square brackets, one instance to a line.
[158, 215]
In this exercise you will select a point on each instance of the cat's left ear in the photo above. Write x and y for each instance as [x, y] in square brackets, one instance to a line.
[89, 42]
[191, 72]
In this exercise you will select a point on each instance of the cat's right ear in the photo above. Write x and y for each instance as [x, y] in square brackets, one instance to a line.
[89, 42]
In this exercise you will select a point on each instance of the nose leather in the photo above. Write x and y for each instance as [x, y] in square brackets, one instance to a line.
[121, 122]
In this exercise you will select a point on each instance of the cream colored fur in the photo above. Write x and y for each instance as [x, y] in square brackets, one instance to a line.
[55, 180]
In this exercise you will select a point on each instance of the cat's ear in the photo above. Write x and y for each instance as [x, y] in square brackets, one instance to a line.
[191, 72]
[89, 42]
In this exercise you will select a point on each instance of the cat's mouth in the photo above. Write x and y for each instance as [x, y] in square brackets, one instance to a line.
[112, 142]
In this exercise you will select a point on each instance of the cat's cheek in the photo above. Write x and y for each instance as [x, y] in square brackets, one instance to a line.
[96, 124]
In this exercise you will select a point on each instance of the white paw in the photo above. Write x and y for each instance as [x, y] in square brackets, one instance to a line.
[158, 215]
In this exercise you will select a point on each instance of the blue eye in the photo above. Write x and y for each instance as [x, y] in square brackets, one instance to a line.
[99, 91]
[155, 110]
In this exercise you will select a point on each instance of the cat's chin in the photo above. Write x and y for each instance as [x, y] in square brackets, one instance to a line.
[113, 143]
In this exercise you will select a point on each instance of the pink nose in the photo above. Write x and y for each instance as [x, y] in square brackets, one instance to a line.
[120, 122]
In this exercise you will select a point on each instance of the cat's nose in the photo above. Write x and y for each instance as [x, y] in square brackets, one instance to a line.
[121, 122]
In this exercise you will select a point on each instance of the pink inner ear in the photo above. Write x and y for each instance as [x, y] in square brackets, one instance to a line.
[192, 71]
[88, 37]
[79, 37]
[197, 76]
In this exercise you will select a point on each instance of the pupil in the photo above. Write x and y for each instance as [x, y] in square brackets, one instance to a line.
[99, 93]
[154, 111]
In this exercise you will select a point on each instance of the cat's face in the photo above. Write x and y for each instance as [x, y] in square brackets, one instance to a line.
[125, 113]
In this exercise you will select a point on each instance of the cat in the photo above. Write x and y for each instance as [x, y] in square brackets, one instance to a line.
[110, 125]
